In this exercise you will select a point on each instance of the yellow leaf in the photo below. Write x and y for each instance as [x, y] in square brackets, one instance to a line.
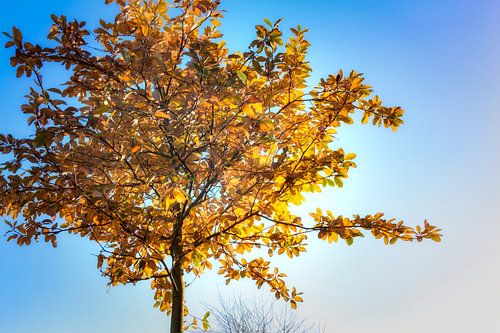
[161, 114]
[168, 203]
[148, 271]
[350, 156]
[179, 195]
[266, 126]
[144, 29]
[436, 238]
[333, 237]
[242, 76]
[280, 180]
[252, 110]
[365, 118]
[205, 321]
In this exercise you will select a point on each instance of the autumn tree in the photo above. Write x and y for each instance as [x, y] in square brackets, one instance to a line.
[175, 155]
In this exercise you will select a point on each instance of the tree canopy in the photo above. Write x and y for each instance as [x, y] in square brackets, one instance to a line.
[175, 155]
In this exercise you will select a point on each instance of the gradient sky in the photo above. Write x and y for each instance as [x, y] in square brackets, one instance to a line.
[437, 59]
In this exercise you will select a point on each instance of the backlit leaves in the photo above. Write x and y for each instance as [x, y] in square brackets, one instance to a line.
[168, 150]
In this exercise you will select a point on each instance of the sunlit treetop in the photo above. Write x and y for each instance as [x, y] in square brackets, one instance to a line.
[175, 155]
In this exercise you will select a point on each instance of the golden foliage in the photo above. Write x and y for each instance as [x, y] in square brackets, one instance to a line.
[167, 149]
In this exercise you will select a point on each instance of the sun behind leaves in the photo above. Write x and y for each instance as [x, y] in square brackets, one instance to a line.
[174, 155]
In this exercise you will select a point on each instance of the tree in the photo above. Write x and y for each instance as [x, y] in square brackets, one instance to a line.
[174, 154]
[246, 316]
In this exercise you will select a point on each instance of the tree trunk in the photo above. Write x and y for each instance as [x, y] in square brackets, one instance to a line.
[177, 318]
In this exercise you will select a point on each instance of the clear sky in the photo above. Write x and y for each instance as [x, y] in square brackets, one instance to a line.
[437, 59]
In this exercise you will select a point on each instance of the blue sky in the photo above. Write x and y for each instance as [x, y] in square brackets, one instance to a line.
[437, 59]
